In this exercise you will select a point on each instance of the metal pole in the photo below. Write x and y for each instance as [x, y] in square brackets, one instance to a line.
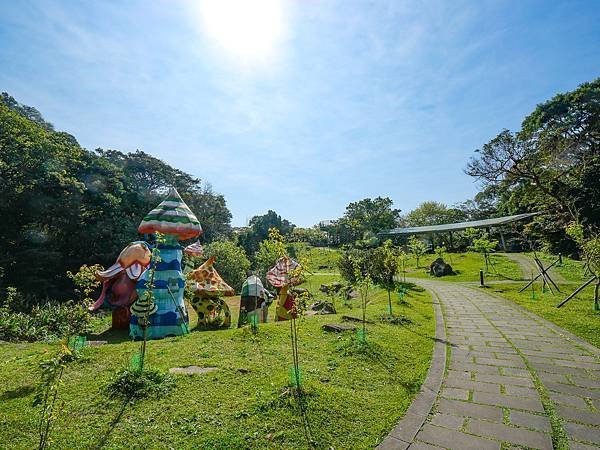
[481, 283]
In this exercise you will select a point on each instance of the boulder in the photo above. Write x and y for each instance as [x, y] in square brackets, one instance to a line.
[322, 307]
[336, 286]
[440, 268]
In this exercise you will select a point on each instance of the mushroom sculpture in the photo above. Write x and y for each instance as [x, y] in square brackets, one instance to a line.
[173, 219]
[119, 281]
[254, 301]
[208, 291]
[282, 276]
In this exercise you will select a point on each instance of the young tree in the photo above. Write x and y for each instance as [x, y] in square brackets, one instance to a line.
[417, 247]
[269, 251]
[485, 246]
[384, 268]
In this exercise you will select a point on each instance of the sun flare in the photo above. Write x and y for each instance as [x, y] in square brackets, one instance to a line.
[249, 30]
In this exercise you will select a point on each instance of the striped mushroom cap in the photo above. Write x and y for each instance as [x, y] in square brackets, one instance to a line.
[143, 307]
[172, 216]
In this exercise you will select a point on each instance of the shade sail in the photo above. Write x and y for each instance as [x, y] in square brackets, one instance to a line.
[458, 225]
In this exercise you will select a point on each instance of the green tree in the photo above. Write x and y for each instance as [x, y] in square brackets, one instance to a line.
[484, 245]
[259, 229]
[231, 262]
[433, 213]
[417, 247]
[269, 251]
[385, 265]
[551, 165]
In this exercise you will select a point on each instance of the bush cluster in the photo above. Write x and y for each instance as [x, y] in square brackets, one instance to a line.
[44, 322]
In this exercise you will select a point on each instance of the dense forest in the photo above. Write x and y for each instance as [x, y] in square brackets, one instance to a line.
[64, 206]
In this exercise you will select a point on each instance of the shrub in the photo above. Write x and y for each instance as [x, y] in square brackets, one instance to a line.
[231, 262]
[45, 322]
[135, 384]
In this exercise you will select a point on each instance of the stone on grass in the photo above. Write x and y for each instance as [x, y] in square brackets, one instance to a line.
[336, 286]
[338, 327]
[191, 370]
[96, 343]
[439, 268]
[322, 307]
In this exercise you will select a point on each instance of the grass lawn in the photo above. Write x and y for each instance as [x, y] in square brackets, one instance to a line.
[576, 316]
[571, 270]
[353, 397]
[466, 267]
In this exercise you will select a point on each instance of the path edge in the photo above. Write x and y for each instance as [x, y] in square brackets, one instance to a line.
[403, 434]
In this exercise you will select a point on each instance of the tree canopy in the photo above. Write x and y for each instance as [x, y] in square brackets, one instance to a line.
[64, 206]
[551, 165]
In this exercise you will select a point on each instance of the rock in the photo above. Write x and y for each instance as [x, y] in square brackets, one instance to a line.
[322, 307]
[191, 370]
[243, 370]
[338, 327]
[96, 343]
[440, 268]
[351, 294]
[336, 287]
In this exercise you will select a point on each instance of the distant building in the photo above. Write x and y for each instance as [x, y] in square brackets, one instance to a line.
[327, 223]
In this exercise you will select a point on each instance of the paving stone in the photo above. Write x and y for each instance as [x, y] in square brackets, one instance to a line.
[501, 379]
[530, 404]
[447, 420]
[582, 432]
[567, 399]
[391, 443]
[459, 408]
[458, 375]
[579, 446]
[407, 428]
[520, 390]
[528, 420]
[516, 372]
[450, 392]
[454, 439]
[552, 368]
[473, 385]
[585, 382]
[490, 370]
[502, 432]
[555, 377]
[579, 415]
[500, 362]
[573, 390]
[417, 445]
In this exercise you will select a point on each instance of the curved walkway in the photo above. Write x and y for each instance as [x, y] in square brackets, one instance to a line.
[528, 267]
[512, 380]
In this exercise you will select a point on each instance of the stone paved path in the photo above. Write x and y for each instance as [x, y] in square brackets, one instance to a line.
[507, 373]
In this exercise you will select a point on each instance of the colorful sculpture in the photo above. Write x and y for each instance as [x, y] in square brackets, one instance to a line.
[119, 281]
[173, 219]
[282, 276]
[209, 288]
[254, 302]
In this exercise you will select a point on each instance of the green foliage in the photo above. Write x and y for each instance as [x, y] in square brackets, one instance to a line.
[85, 281]
[46, 393]
[231, 262]
[260, 228]
[269, 251]
[349, 260]
[362, 221]
[433, 213]
[312, 236]
[440, 250]
[417, 247]
[552, 165]
[64, 206]
[483, 244]
[45, 322]
[137, 384]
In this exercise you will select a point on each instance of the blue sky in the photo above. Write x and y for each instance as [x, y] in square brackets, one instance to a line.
[298, 106]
